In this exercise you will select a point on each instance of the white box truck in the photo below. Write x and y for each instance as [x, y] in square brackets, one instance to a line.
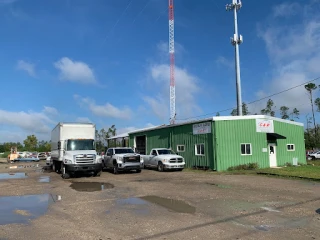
[73, 149]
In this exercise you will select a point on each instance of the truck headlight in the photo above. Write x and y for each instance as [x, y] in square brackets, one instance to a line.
[67, 161]
[119, 159]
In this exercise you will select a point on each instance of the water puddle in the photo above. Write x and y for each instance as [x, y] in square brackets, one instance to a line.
[44, 179]
[4, 176]
[21, 209]
[135, 205]
[90, 186]
[170, 204]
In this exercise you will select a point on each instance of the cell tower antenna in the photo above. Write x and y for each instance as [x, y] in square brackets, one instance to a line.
[172, 65]
[236, 41]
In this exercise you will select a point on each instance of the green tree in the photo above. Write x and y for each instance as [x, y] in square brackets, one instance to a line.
[310, 87]
[284, 112]
[245, 110]
[294, 114]
[269, 109]
[31, 143]
[44, 146]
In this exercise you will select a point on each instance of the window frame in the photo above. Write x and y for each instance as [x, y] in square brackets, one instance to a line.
[180, 145]
[195, 149]
[245, 154]
[291, 150]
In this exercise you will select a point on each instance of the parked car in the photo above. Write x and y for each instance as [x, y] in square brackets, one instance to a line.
[122, 159]
[42, 156]
[162, 159]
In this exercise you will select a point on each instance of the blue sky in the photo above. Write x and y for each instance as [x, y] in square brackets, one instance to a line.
[107, 61]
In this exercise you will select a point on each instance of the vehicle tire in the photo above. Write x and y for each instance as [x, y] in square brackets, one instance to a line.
[138, 170]
[313, 158]
[97, 174]
[115, 169]
[180, 170]
[64, 173]
[160, 167]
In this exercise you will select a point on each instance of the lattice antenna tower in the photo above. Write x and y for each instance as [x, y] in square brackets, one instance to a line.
[236, 41]
[172, 64]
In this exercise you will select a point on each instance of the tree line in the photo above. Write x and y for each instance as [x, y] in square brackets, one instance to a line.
[31, 143]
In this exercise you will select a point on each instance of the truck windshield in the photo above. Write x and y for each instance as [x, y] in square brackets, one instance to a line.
[83, 144]
[123, 150]
[165, 151]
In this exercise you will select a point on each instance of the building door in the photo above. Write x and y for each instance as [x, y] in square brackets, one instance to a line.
[272, 154]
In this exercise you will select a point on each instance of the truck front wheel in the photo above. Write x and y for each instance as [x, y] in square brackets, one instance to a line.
[65, 174]
[115, 169]
[160, 167]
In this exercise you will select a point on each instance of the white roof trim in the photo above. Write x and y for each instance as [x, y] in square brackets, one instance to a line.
[123, 135]
[226, 118]
[168, 126]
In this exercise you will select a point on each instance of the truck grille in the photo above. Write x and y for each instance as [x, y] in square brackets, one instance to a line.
[85, 159]
[176, 160]
[131, 159]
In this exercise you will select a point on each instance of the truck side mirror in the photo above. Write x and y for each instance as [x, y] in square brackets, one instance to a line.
[59, 145]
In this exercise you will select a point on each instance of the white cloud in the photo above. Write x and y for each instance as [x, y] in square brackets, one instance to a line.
[28, 67]
[225, 62]
[75, 71]
[50, 110]
[83, 120]
[30, 122]
[106, 110]
[187, 88]
[294, 53]
[286, 9]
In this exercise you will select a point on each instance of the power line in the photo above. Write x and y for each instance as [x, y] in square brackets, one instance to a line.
[114, 26]
[258, 100]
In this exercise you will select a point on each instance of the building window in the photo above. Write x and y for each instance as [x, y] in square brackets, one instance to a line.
[290, 147]
[180, 148]
[199, 149]
[246, 149]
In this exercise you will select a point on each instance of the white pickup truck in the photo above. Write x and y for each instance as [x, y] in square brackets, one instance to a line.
[162, 159]
[122, 159]
[314, 155]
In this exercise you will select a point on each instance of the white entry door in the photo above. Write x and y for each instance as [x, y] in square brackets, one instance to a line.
[272, 154]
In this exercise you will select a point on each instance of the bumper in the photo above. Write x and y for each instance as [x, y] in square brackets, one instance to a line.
[125, 166]
[174, 166]
[83, 168]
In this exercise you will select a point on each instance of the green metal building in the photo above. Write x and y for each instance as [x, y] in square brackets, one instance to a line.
[221, 142]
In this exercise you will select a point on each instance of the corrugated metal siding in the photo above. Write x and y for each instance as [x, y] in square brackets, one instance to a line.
[180, 135]
[294, 135]
[229, 136]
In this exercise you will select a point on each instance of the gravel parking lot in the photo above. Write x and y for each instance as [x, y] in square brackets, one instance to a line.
[155, 205]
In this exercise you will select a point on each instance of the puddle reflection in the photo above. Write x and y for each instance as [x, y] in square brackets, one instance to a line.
[21, 209]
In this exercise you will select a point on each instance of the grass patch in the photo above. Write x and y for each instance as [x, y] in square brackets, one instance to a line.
[305, 172]
[310, 171]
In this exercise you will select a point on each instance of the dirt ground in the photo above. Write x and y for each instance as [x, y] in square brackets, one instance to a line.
[155, 205]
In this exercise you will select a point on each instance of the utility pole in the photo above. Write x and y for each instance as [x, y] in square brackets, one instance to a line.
[236, 41]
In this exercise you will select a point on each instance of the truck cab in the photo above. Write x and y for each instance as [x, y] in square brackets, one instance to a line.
[122, 159]
[163, 159]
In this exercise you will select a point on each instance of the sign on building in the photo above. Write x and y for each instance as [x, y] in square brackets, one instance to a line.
[264, 125]
[202, 128]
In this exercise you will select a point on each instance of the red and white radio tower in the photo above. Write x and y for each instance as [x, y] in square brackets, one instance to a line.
[171, 51]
